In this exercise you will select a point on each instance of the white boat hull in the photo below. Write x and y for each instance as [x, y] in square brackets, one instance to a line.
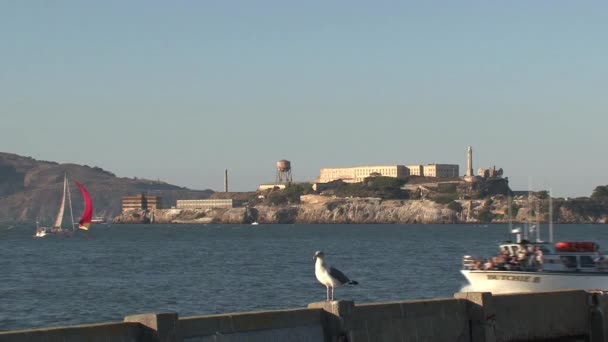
[519, 281]
[42, 232]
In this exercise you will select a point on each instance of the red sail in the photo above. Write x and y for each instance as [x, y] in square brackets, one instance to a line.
[87, 214]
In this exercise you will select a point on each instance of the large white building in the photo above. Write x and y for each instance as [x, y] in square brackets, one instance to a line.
[359, 173]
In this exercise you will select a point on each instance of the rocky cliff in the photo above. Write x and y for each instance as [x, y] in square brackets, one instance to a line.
[321, 209]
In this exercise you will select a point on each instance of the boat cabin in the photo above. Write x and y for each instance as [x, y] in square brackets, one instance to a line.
[564, 256]
[514, 248]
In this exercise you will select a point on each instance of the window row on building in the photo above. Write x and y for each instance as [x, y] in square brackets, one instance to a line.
[141, 202]
[359, 173]
[441, 170]
[207, 203]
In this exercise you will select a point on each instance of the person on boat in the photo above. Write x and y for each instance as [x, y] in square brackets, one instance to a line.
[498, 262]
[522, 253]
[513, 264]
[478, 265]
[531, 253]
[539, 257]
[488, 265]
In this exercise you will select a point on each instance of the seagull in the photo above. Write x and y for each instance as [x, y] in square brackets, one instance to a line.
[329, 276]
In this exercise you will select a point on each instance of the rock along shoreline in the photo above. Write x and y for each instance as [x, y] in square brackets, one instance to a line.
[355, 211]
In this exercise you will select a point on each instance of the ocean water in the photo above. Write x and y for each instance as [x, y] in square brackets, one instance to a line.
[118, 270]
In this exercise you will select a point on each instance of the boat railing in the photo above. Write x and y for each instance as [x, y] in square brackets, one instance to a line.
[471, 263]
[500, 264]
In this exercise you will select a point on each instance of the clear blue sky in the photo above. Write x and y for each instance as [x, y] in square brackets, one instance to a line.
[181, 90]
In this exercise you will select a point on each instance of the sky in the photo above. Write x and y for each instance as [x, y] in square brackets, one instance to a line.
[181, 90]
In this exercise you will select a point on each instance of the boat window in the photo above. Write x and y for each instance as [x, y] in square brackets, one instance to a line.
[586, 261]
[569, 260]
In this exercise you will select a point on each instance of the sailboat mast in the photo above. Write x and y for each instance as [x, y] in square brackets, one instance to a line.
[509, 204]
[538, 221]
[527, 217]
[70, 202]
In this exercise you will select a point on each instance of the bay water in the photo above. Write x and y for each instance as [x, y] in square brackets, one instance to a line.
[116, 270]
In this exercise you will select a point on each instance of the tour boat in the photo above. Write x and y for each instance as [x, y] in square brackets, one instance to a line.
[563, 265]
[85, 220]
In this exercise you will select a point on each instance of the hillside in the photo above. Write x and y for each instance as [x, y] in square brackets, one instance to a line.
[30, 189]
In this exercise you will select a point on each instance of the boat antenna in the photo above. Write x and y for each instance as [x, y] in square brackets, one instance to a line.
[526, 225]
[70, 202]
[509, 212]
[538, 221]
[550, 216]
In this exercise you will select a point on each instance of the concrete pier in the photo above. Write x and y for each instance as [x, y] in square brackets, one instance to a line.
[468, 317]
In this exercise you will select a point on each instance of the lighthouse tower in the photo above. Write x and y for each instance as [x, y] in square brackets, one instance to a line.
[469, 177]
[470, 162]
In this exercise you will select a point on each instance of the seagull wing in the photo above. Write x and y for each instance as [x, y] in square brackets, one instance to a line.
[335, 273]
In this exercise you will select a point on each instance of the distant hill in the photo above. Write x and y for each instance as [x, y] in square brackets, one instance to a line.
[30, 189]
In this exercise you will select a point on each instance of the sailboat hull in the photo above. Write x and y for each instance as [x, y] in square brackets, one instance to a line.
[520, 281]
[43, 231]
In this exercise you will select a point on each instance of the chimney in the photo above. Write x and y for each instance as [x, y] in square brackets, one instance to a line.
[226, 180]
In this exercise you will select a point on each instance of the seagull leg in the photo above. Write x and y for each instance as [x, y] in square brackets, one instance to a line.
[327, 288]
[332, 293]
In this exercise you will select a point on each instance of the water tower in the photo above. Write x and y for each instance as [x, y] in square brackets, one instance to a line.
[283, 171]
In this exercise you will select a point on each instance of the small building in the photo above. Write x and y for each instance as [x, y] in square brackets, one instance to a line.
[207, 203]
[141, 202]
[270, 186]
[325, 186]
[491, 172]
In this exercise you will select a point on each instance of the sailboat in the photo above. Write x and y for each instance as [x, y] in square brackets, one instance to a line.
[85, 220]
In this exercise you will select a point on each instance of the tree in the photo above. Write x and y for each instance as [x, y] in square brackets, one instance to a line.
[291, 194]
[384, 183]
[444, 198]
[382, 187]
[457, 207]
[514, 210]
[600, 193]
[485, 216]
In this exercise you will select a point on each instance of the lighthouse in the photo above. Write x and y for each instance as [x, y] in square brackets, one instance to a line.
[469, 162]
